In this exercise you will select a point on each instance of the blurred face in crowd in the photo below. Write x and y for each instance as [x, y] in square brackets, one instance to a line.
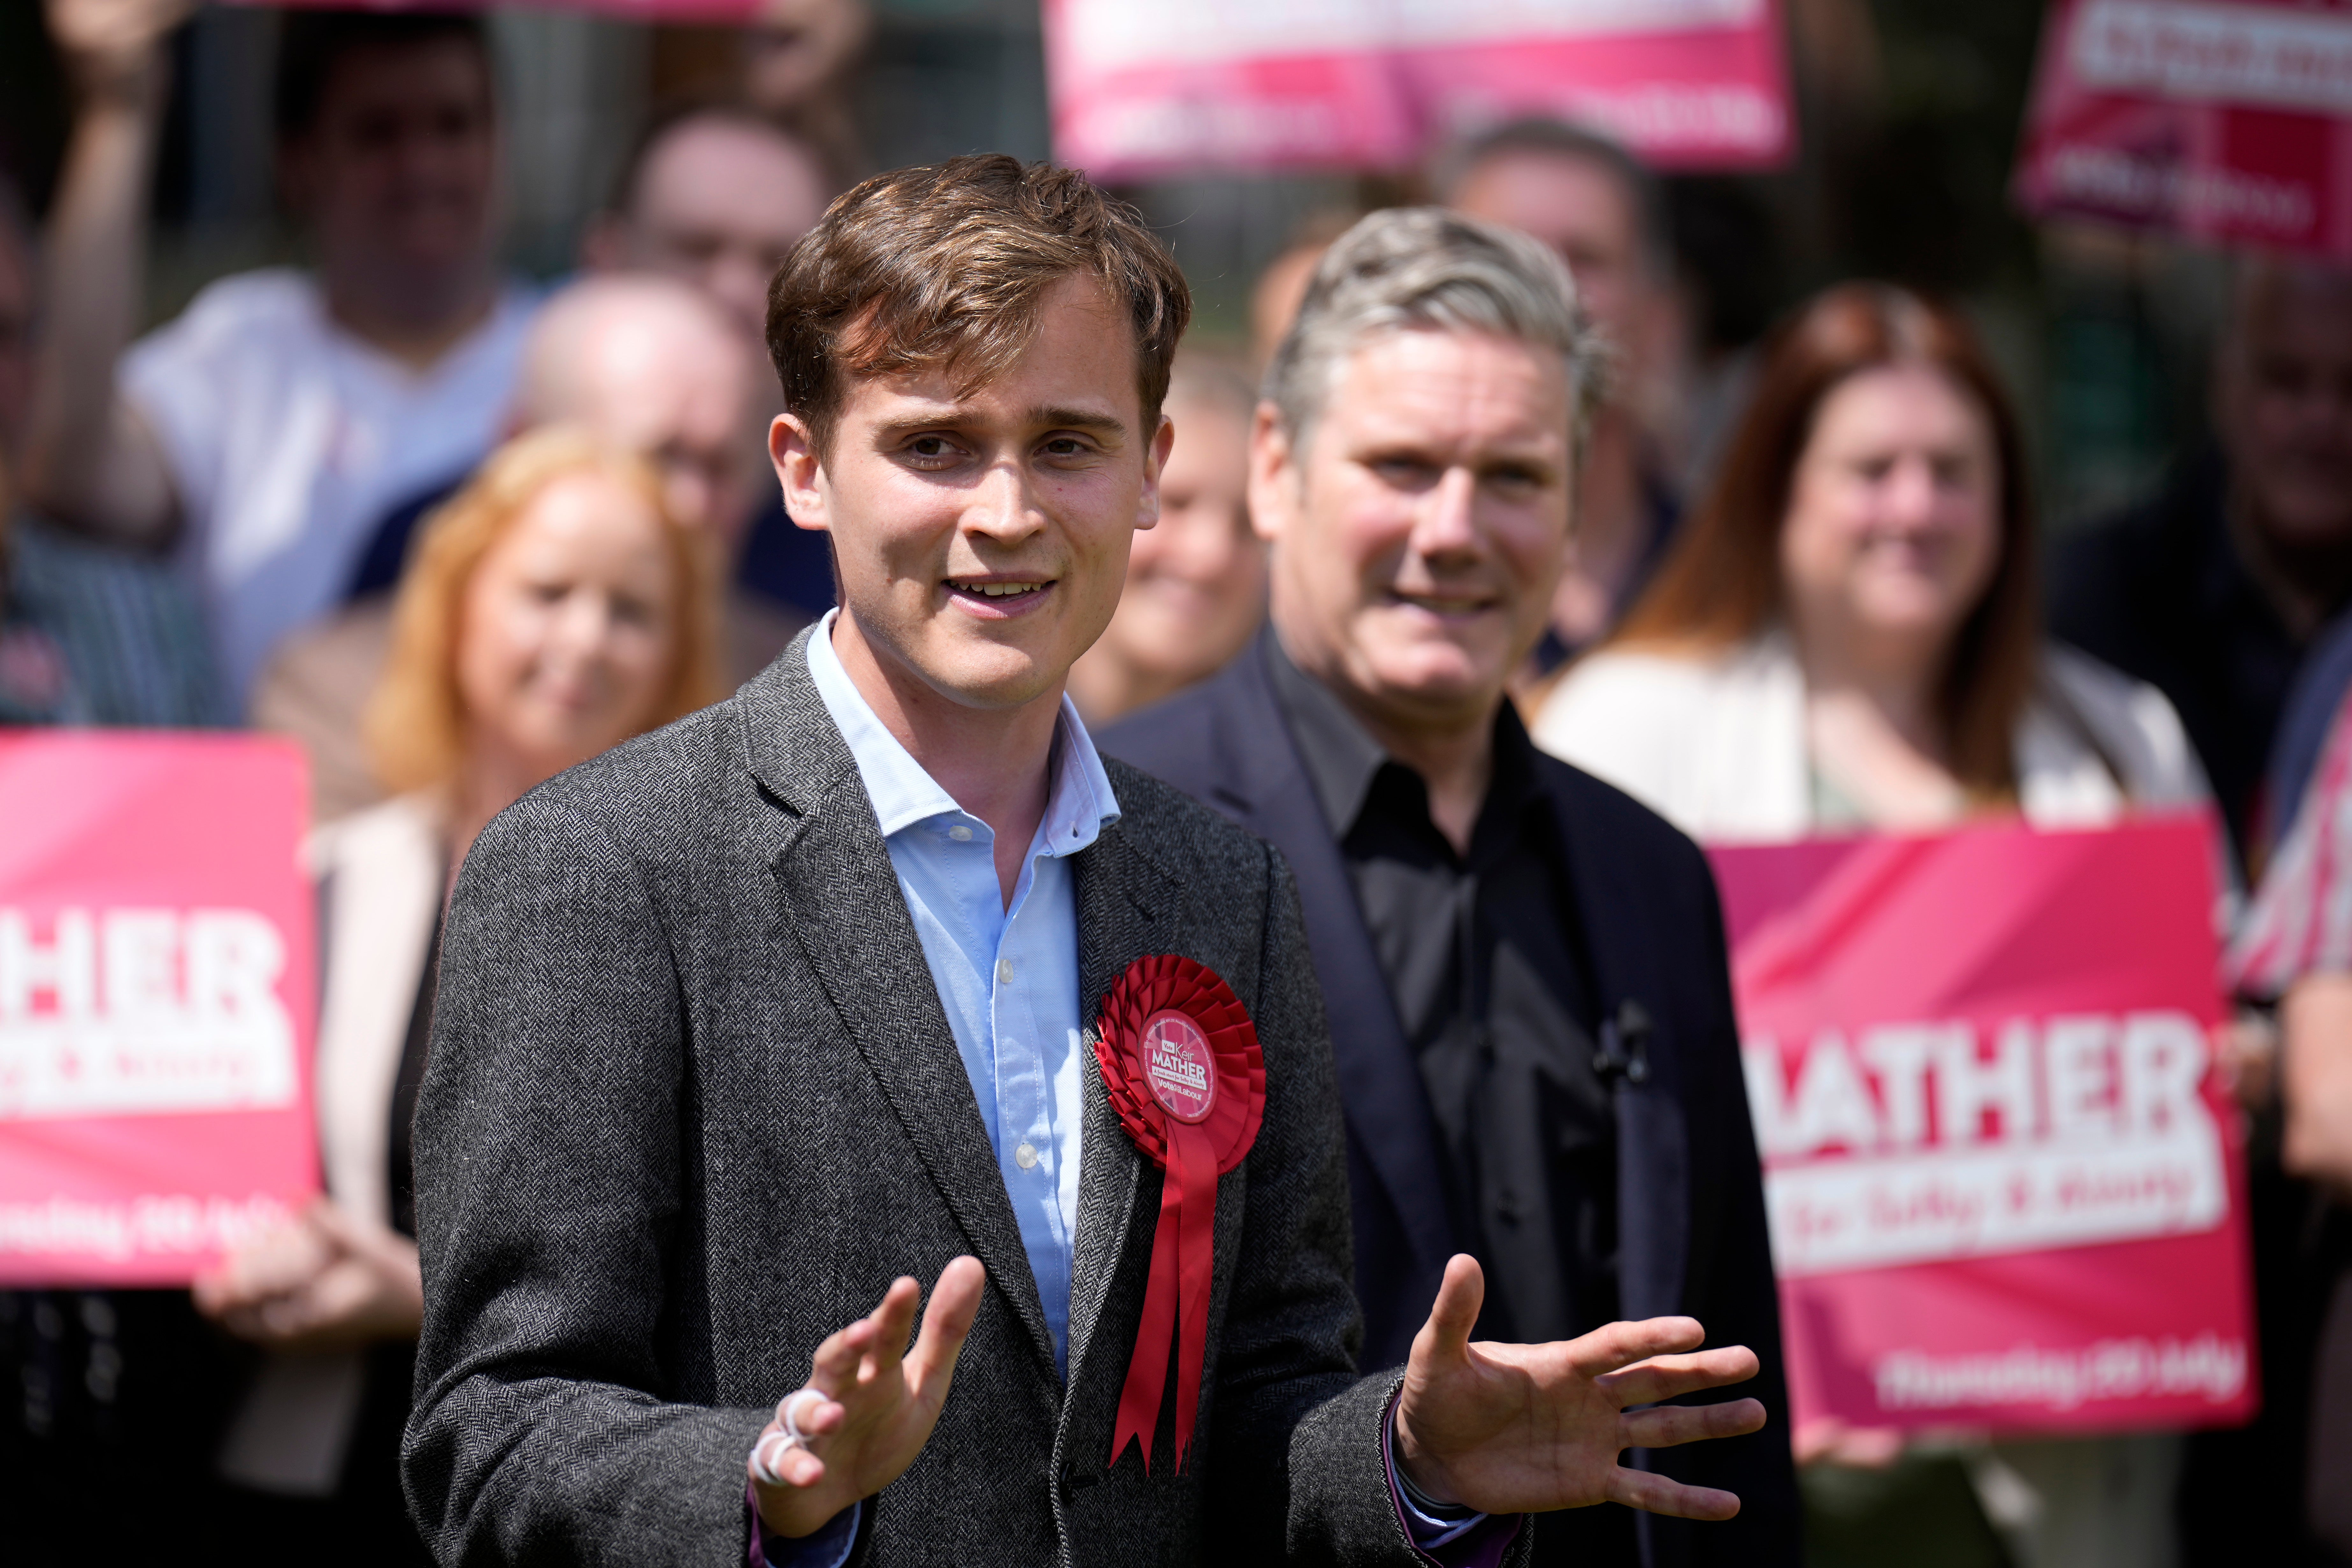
[1893, 530]
[567, 625]
[650, 366]
[792, 49]
[718, 202]
[15, 338]
[982, 534]
[398, 173]
[2283, 403]
[1418, 536]
[1584, 211]
[1196, 581]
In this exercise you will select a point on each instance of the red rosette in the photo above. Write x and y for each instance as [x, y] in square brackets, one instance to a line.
[1181, 1064]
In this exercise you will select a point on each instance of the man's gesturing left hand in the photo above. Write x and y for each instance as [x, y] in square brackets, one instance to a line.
[870, 1403]
[1528, 1428]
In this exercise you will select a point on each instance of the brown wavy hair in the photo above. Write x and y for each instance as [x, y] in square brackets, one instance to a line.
[946, 267]
[415, 725]
[1722, 584]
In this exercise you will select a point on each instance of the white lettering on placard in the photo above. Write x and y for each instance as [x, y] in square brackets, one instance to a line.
[2208, 1367]
[117, 1231]
[133, 1011]
[2192, 51]
[1924, 1143]
[1103, 36]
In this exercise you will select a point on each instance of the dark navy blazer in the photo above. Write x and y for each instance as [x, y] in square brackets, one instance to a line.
[1691, 1224]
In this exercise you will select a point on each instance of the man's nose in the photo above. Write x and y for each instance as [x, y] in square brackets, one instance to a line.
[688, 491]
[1447, 520]
[1002, 506]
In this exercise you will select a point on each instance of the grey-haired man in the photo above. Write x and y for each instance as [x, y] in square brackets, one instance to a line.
[1524, 968]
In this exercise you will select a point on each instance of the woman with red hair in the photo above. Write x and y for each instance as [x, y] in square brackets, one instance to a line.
[1846, 639]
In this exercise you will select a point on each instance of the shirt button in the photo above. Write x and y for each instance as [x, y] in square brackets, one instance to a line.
[1005, 971]
[1026, 1157]
[960, 833]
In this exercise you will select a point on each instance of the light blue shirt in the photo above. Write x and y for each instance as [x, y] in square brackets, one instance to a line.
[1007, 975]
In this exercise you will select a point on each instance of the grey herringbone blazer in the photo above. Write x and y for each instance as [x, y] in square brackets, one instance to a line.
[693, 1104]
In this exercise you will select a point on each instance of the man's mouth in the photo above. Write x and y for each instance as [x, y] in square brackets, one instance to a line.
[995, 589]
[1445, 603]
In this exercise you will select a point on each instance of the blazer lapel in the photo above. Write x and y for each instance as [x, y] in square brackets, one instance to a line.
[1380, 1083]
[843, 909]
[1122, 895]
[1653, 1138]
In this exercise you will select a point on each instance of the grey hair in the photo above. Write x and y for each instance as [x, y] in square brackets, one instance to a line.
[1428, 269]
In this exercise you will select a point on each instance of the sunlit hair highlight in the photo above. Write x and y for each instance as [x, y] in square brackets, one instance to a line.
[1428, 269]
[944, 268]
[415, 725]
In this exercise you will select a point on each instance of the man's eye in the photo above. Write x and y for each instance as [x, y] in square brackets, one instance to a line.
[1065, 446]
[1406, 473]
[547, 592]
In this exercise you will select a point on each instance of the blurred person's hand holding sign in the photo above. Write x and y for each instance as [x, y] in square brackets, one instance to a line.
[325, 1280]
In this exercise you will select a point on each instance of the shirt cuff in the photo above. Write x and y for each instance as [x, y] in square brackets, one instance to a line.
[1470, 1541]
[827, 1547]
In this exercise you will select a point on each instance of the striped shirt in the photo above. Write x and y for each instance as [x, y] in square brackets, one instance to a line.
[91, 635]
[2300, 922]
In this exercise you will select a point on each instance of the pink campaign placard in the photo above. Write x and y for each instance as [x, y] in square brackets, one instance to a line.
[2003, 1176]
[2226, 120]
[155, 1001]
[1141, 88]
[704, 11]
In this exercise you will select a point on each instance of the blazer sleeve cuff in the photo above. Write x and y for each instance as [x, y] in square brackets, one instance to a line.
[828, 1547]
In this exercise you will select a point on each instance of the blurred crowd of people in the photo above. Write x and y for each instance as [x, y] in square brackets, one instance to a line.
[453, 533]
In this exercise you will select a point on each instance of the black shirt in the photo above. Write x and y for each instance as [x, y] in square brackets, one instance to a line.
[1487, 965]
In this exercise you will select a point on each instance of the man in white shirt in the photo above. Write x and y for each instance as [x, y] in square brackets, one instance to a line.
[262, 434]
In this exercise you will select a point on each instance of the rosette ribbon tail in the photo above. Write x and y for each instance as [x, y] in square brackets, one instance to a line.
[1193, 1165]
[1147, 1372]
[1175, 1300]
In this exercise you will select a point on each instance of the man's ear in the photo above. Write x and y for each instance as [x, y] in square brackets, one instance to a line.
[1273, 476]
[1155, 463]
[800, 471]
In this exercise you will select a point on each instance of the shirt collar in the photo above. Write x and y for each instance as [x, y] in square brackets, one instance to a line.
[1078, 804]
[1340, 754]
[1342, 759]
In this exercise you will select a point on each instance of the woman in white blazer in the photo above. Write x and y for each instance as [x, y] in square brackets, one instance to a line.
[552, 609]
[1847, 638]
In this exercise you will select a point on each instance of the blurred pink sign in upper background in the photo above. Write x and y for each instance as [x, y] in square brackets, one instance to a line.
[2219, 120]
[1142, 88]
[627, 10]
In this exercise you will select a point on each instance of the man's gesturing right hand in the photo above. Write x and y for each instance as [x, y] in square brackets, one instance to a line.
[874, 1404]
[1528, 1428]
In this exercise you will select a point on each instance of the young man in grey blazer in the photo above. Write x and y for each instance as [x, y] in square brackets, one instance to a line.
[748, 1026]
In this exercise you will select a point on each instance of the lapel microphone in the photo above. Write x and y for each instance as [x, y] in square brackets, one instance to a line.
[1624, 1050]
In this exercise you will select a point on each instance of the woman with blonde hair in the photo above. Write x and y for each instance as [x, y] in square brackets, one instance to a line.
[1847, 638]
[552, 609]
